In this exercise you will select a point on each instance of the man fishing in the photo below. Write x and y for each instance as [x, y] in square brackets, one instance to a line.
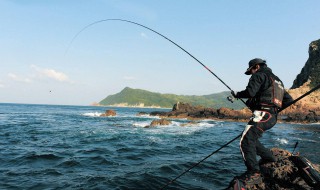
[266, 95]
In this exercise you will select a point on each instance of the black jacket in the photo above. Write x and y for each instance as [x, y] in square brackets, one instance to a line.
[259, 82]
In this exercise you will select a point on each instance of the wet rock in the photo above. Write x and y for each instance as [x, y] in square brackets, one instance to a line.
[158, 113]
[280, 175]
[142, 113]
[109, 113]
[185, 110]
[306, 110]
[158, 122]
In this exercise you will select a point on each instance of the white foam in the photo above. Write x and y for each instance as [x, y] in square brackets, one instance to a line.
[141, 124]
[282, 141]
[92, 114]
[204, 124]
[175, 128]
[148, 116]
[154, 139]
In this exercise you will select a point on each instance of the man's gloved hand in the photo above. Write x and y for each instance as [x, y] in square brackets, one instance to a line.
[234, 93]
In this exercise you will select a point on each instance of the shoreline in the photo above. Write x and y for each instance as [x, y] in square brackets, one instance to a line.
[279, 121]
[128, 106]
[185, 110]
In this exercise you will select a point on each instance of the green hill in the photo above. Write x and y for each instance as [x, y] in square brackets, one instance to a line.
[136, 97]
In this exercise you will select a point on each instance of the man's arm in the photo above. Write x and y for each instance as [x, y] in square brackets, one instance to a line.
[253, 86]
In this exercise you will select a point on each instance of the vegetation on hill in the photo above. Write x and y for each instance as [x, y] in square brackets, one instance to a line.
[136, 97]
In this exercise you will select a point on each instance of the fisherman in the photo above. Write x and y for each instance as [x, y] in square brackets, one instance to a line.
[266, 95]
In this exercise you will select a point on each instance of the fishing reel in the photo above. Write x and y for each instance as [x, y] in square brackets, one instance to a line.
[231, 98]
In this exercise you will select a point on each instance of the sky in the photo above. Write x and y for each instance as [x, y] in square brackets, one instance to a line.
[42, 63]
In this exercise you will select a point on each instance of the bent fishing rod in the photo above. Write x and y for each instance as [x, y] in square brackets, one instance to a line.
[135, 23]
[196, 164]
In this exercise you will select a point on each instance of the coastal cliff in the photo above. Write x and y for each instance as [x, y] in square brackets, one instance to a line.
[311, 69]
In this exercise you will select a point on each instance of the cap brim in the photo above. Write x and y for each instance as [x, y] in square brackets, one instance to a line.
[248, 72]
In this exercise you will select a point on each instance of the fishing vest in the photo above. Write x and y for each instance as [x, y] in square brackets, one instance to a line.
[273, 95]
[270, 95]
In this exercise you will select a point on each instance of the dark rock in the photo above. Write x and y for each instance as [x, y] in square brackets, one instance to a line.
[280, 175]
[159, 122]
[185, 107]
[142, 113]
[158, 113]
[109, 113]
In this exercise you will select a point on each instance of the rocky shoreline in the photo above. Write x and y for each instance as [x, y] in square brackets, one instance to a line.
[185, 110]
[307, 110]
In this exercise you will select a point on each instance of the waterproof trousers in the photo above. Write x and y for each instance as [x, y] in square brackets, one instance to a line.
[250, 145]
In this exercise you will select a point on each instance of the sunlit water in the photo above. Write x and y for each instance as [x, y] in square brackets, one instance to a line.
[70, 147]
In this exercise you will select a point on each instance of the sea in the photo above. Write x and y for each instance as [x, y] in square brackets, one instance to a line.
[71, 147]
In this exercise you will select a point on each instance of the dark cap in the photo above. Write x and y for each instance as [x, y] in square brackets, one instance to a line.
[254, 62]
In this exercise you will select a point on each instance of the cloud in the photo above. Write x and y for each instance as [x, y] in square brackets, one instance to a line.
[17, 78]
[51, 73]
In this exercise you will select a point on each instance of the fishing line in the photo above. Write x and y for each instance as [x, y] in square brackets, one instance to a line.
[196, 164]
[135, 23]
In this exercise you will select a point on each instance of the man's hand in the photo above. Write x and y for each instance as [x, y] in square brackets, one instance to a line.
[234, 94]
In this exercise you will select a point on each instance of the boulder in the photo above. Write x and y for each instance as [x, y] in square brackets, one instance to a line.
[280, 175]
[185, 107]
[158, 122]
[109, 113]
[158, 113]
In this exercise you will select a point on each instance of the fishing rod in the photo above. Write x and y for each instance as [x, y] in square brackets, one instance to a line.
[135, 23]
[304, 95]
[294, 148]
[196, 164]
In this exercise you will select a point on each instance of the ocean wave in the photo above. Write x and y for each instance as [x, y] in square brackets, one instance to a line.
[92, 114]
[141, 124]
[69, 163]
[177, 123]
[34, 156]
[175, 128]
[307, 140]
[147, 116]
[282, 141]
